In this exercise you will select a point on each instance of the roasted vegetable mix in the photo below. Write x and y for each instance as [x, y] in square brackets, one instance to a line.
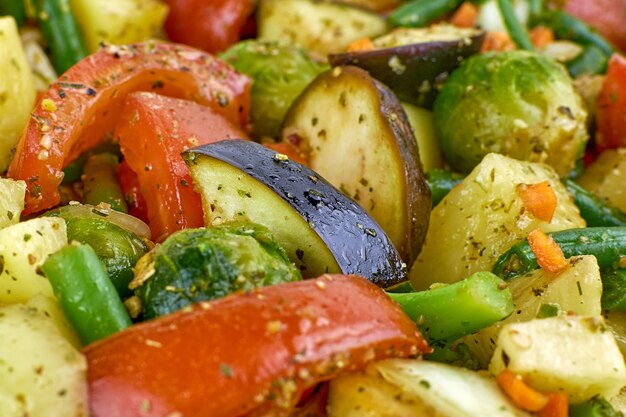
[338, 208]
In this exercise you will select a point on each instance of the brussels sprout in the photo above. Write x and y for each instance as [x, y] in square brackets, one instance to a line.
[194, 265]
[515, 103]
[279, 74]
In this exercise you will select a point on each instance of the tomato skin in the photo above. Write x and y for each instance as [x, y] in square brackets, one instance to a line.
[212, 25]
[611, 106]
[607, 16]
[232, 356]
[82, 107]
[153, 131]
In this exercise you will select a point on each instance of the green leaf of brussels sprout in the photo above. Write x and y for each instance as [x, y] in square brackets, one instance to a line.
[203, 264]
[279, 73]
[516, 103]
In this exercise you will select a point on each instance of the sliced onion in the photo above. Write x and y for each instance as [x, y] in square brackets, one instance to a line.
[126, 221]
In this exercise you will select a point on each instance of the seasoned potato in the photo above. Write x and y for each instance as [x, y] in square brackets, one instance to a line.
[578, 289]
[23, 248]
[118, 21]
[11, 201]
[51, 308]
[606, 177]
[41, 373]
[584, 361]
[17, 89]
[483, 217]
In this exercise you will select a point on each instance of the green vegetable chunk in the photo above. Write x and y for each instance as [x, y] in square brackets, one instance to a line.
[441, 182]
[203, 264]
[85, 293]
[449, 312]
[279, 73]
[596, 211]
[595, 407]
[516, 103]
[101, 184]
[590, 61]
[614, 290]
[118, 249]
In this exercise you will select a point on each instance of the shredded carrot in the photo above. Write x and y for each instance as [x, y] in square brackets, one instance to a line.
[364, 44]
[549, 254]
[497, 41]
[465, 16]
[557, 406]
[539, 199]
[540, 36]
[520, 393]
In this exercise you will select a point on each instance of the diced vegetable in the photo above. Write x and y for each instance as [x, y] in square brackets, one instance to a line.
[50, 307]
[526, 106]
[595, 407]
[322, 27]
[23, 248]
[421, 121]
[441, 182]
[41, 373]
[43, 73]
[415, 63]
[11, 201]
[357, 136]
[570, 362]
[449, 312]
[483, 216]
[590, 61]
[321, 229]
[196, 265]
[85, 292]
[17, 91]
[229, 340]
[614, 290]
[279, 73]
[520, 393]
[605, 177]
[578, 289]
[118, 22]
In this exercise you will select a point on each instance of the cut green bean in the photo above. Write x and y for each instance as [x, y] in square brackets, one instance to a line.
[73, 171]
[614, 290]
[449, 312]
[535, 7]
[566, 26]
[86, 293]
[441, 182]
[420, 13]
[14, 8]
[595, 211]
[61, 32]
[101, 184]
[517, 31]
[589, 62]
[607, 244]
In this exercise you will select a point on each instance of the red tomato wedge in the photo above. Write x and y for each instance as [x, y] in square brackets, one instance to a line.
[132, 191]
[81, 109]
[212, 25]
[229, 357]
[611, 106]
[153, 131]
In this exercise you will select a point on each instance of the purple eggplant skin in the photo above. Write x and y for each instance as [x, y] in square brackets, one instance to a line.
[357, 242]
[414, 72]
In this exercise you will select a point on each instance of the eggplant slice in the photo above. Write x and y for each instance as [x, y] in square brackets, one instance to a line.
[321, 229]
[356, 134]
[414, 63]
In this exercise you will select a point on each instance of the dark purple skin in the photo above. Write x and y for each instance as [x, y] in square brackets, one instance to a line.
[422, 67]
[357, 242]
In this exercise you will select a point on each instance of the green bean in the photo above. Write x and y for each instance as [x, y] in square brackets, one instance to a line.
[517, 31]
[73, 171]
[535, 7]
[85, 293]
[447, 313]
[14, 8]
[566, 26]
[420, 13]
[614, 290]
[590, 61]
[595, 407]
[101, 184]
[441, 182]
[61, 31]
[607, 244]
[595, 211]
